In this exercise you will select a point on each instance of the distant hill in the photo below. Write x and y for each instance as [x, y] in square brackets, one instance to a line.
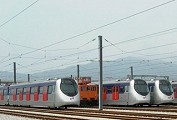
[117, 69]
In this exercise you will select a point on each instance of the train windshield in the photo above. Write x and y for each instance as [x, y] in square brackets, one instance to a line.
[141, 87]
[165, 87]
[69, 87]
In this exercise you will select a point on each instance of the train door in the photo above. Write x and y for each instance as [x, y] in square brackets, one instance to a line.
[27, 90]
[10, 95]
[45, 94]
[51, 95]
[20, 93]
[40, 95]
[32, 98]
[27, 95]
[1, 95]
[175, 93]
[122, 95]
[36, 94]
[104, 93]
[14, 95]
[18, 96]
[6, 95]
[115, 93]
[151, 94]
[127, 95]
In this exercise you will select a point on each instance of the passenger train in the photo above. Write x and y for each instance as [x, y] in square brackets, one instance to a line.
[128, 92]
[54, 93]
[161, 92]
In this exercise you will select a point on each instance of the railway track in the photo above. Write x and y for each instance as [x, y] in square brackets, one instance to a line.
[168, 108]
[125, 113]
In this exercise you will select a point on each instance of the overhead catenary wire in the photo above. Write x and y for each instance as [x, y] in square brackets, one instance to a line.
[61, 57]
[116, 21]
[143, 37]
[149, 48]
[130, 40]
[18, 14]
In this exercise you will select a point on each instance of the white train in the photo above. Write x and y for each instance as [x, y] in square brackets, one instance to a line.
[161, 92]
[128, 92]
[54, 93]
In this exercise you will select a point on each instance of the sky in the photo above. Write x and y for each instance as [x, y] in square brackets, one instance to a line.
[54, 34]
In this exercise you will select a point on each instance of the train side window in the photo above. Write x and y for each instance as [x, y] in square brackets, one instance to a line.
[93, 88]
[32, 90]
[28, 90]
[5, 92]
[109, 90]
[53, 88]
[88, 88]
[13, 91]
[10, 91]
[18, 91]
[82, 88]
[152, 88]
[40, 90]
[121, 89]
[126, 88]
[24, 90]
[2, 92]
[50, 89]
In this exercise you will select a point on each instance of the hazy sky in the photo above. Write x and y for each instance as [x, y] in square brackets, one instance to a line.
[52, 24]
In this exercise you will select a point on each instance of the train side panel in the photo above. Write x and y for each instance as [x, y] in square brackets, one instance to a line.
[111, 99]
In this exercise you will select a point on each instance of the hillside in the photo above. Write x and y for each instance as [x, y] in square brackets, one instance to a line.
[116, 69]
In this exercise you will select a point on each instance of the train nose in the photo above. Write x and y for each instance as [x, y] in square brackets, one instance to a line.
[144, 97]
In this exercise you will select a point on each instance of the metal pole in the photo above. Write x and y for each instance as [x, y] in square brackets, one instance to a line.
[0, 81]
[28, 77]
[101, 74]
[131, 72]
[78, 73]
[15, 73]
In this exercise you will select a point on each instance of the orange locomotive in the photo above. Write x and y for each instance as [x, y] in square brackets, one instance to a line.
[88, 91]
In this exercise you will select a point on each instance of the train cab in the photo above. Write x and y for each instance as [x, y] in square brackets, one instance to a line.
[161, 92]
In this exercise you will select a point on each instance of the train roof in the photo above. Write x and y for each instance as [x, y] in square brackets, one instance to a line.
[51, 82]
[91, 84]
[153, 80]
[48, 82]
